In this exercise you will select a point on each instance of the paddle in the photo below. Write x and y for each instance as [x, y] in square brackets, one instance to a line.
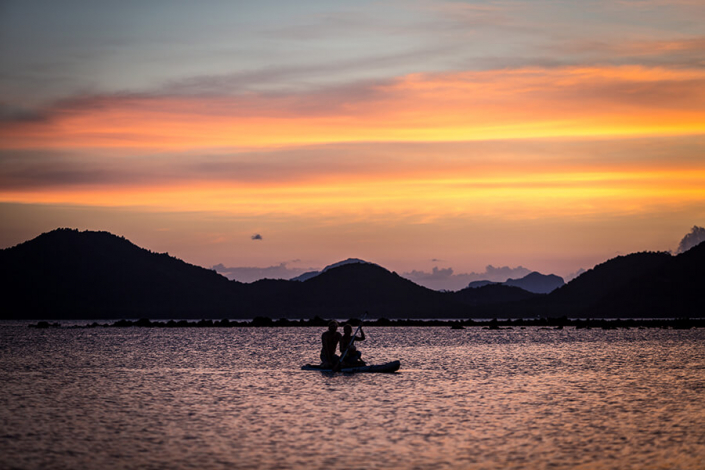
[339, 365]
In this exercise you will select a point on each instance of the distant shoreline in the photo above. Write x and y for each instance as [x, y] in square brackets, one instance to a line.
[494, 324]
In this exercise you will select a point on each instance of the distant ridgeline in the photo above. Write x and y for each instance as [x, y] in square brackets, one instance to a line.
[67, 274]
[533, 282]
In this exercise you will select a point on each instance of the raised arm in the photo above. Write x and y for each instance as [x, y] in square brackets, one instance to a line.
[362, 337]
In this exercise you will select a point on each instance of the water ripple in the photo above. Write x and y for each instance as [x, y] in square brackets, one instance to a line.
[235, 398]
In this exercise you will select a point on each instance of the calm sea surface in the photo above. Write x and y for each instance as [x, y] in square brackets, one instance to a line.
[464, 399]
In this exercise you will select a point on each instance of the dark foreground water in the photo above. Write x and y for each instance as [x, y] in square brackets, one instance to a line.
[465, 399]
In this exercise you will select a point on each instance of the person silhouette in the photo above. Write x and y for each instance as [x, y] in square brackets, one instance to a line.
[347, 343]
[330, 340]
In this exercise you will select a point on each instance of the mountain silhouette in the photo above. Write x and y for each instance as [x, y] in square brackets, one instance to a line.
[67, 274]
[534, 282]
[537, 283]
[310, 274]
[352, 288]
[673, 289]
[70, 274]
[492, 293]
[344, 291]
[646, 284]
[583, 295]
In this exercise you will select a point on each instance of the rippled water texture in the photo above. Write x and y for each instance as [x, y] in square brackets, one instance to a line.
[235, 398]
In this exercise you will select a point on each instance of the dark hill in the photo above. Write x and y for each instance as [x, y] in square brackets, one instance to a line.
[70, 274]
[351, 288]
[674, 289]
[274, 298]
[648, 284]
[346, 291]
[534, 282]
[489, 294]
[79, 275]
[609, 277]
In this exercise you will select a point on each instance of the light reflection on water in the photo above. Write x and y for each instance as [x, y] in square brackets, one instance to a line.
[235, 398]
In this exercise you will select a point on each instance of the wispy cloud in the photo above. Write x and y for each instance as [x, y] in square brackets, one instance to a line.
[671, 52]
[18, 114]
[522, 103]
[542, 163]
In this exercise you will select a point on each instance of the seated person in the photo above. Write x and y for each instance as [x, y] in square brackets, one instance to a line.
[329, 340]
[353, 356]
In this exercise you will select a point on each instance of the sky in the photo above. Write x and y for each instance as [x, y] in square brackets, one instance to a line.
[446, 141]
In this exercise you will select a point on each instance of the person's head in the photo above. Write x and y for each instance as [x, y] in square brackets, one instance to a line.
[332, 326]
[347, 329]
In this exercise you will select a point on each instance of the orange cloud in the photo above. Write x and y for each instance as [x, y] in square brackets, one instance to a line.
[516, 194]
[505, 144]
[498, 104]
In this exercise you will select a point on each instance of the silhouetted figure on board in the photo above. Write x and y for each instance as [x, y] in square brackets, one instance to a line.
[330, 340]
[353, 356]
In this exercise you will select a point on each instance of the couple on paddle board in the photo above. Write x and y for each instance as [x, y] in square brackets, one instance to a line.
[349, 355]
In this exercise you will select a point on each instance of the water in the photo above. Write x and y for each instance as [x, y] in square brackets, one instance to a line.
[464, 399]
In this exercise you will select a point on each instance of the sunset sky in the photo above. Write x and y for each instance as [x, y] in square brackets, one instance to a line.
[433, 138]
